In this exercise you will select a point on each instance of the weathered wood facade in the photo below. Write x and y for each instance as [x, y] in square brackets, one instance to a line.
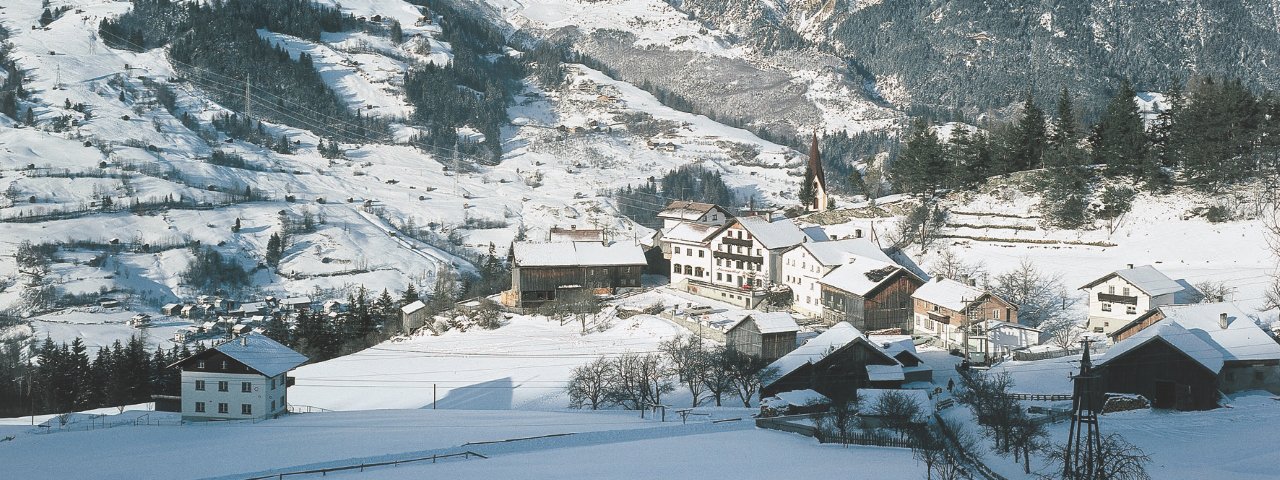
[746, 337]
[838, 375]
[539, 285]
[1164, 375]
[885, 307]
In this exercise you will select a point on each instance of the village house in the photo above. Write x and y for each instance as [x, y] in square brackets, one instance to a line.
[687, 246]
[903, 349]
[1005, 337]
[835, 364]
[768, 336]
[804, 266]
[1123, 295]
[542, 271]
[947, 309]
[693, 212]
[869, 294]
[748, 259]
[1182, 356]
[245, 378]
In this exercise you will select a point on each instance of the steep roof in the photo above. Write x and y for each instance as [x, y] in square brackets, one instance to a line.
[576, 254]
[861, 276]
[413, 307]
[771, 322]
[683, 210]
[558, 234]
[797, 398]
[815, 164]
[839, 252]
[817, 348]
[948, 293]
[1179, 338]
[779, 233]
[262, 354]
[1145, 278]
[692, 232]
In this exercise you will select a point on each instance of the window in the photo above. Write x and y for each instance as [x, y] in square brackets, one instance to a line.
[719, 262]
[718, 276]
[199, 407]
[737, 264]
[246, 387]
[273, 405]
[1111, 289]
[200, 385]
[1106, 307]
[688, 270]
[675, 268]
[200, 364]
[273, 383]
[224, 364]
[222, 408]
[677, 249]
[246, 409]
[1130, 309]
[995, 313]
[222, 386]
[1126, 291]
[702, 253]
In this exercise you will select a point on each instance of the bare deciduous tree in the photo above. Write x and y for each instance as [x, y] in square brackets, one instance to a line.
[749, 374]
[898, 411]
[1039, 296]
[1116, 460]
[589, 385]
[690, 362]
[718, 379]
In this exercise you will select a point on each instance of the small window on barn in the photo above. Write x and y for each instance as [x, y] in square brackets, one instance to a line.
[200, 364]
[224, 364]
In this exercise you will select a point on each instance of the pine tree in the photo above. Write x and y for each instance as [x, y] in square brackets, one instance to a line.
[1029, 148]
[1065, 199]
[410, 295]
[1065, 129]
[922, 167]
[1119, 138]
[46, 18]
[397, 32]
[807, 189]
[274, 250]
[1214, 134]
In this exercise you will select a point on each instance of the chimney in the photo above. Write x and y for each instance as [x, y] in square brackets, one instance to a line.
[857, 233]
[244, 340]
[1222, 321]
[1130, 266]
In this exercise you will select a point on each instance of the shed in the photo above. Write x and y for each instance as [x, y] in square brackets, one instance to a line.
[413, 316]
[765, 335]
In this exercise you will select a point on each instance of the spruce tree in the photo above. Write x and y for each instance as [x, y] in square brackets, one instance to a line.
[1030, 137]
[1066, 191]
[922, 167]
[807, 190]
[410, 295]
[1119, 138]
[274, 250]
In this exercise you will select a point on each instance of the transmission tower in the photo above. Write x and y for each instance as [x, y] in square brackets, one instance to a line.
[1084, 442]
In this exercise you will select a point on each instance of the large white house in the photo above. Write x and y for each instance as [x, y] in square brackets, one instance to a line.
[693, 212]
[806, 264]
[244, 378]
[1123, 295]
[688, 246]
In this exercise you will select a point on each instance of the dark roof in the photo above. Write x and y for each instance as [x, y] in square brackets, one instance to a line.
[815, 164]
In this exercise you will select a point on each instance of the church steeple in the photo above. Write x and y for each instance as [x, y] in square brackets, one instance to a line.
[815, 164]
[815, 180]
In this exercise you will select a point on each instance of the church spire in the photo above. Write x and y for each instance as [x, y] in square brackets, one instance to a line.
[815, 164]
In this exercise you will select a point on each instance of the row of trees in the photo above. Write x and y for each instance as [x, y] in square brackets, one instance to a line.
[689, 182]
[638, 380]
[67, 377]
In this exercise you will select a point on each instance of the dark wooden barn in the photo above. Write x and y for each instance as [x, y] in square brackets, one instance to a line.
[1171, 368]
[768, 336]
[544, 272]
[870, 295]
[833, 364]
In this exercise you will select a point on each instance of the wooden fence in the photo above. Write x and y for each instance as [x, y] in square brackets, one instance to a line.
[1039, 397]
[788, 424]
[324, 471]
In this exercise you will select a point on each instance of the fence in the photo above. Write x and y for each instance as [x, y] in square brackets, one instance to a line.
[1024, 355]
[324, 471]
[787, 424]
[705, 331]
[1043, 397]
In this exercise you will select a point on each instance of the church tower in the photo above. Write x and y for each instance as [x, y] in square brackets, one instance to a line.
[815, 179]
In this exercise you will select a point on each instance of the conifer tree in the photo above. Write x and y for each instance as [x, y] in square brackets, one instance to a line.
[1065, 197]
[1028, 151]
[275, 250]
[922, 167]
[1119, 138]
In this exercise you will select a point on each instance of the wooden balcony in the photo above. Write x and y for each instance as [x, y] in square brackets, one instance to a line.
[741, 242]
[737, 257]
[1122, 299]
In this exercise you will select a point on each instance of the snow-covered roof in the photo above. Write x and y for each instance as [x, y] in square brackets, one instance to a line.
[1241, 340]
[685, 210]
[860, 276]
[817, 348]
[262, 354]
[413, 307]
[998, 324]
[779, 233]
[895, 344]
[691, 232]
[297, 301]
[839, 252]
[771, 322]
[885, 373]
[575, 254]
[948, 293]
[798, 398]
[1145, 278]
[1178, 337]
[816, 233]
[575, 235]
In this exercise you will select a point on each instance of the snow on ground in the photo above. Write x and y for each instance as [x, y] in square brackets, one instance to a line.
[653, 22]
[523, 365]
[365, 81]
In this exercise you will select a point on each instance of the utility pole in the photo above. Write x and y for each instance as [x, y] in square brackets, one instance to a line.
[1084, 441]
[964, 328]
[248, 105]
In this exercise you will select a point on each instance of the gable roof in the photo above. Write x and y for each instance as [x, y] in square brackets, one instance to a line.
[682, 210]
[885, 373]
[1175, 336]
[258, 352]
[949, 294]
[779, 233]
[816, 349]
[896, 344]
[576, 254]
[413, 307]
[839, 252]
[1145, 278]
[861, 276]
[771, 322]
[692, 232]
[1241, 340]
[575, 234]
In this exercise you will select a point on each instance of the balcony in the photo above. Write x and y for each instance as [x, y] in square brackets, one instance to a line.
[741, 242]
[1121, 299]
[737, 257]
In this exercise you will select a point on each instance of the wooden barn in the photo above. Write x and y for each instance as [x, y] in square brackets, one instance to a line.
[542, 271]
[871, 295]
[765, 335]
[835, 364]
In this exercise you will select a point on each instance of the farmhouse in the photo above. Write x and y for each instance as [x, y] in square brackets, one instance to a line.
[688, 246]
[945, 308]
[804, 266]
[835, 364]
[243, 378]
[748, 259]
[1121, 296]
[542, 271]
[765, 335]
[1189, 354]
[693, 212]
[870, 295]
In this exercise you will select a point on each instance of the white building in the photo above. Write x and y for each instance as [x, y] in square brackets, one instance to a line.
[694, 212]
[1005, 337]
[244, 378]
[806, 264]
[1123, 295]
[688, 246]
